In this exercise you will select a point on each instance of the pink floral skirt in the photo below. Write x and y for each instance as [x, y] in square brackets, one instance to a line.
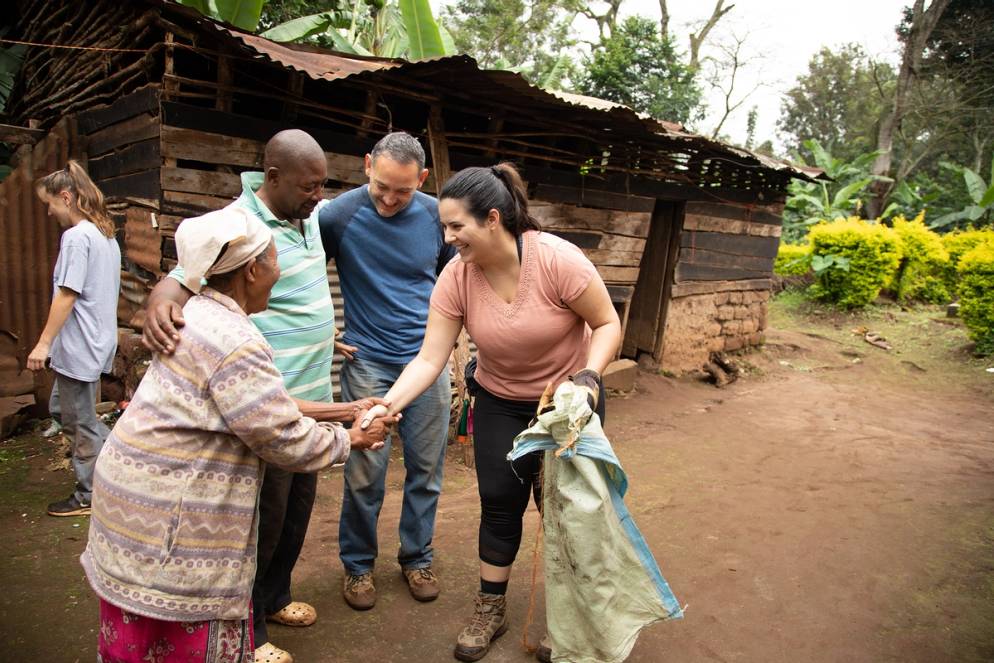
[129, 638]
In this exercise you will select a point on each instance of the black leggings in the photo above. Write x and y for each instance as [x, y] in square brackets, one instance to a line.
[504, 491]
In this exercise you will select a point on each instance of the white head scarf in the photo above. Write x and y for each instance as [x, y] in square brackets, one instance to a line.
[199, 241]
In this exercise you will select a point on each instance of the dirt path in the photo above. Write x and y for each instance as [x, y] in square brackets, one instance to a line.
[820, 509]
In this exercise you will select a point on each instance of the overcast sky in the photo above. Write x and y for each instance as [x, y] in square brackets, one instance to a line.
[780, 38]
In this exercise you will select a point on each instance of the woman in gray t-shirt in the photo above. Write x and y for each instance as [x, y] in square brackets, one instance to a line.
[80, 336]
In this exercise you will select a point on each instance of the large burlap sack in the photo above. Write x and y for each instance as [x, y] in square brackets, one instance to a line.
[602, 585]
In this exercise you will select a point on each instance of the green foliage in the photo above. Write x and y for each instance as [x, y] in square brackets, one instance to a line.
[809, 203]
[871, 254]
[637, 67]
[923, 263]
[838, 103]
[532, 37]
[981, 194]
[792, 259]
[957, 244]
[976, 293]
[240, 13]
[398, 29]
[10, 63]
[424, 39]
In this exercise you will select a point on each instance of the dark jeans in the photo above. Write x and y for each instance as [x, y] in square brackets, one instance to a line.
[504, 490]
[285, 504]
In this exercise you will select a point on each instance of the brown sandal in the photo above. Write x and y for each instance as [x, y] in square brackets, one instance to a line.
[269, 653]
[296, 613]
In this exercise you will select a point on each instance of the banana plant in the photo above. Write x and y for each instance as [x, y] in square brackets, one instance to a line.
[981, 195]
[398, 29]
[243, 14]
[810, 202]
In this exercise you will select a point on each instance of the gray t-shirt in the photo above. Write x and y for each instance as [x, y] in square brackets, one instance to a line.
[89, 264]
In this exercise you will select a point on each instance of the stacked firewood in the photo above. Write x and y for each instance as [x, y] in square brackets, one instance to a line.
[119, 54]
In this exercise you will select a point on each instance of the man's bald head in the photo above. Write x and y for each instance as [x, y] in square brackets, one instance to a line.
[295, 169]
[289, 148]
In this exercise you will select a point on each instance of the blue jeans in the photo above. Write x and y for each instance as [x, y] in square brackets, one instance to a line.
[424, 431]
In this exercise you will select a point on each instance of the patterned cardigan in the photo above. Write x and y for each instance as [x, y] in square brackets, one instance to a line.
[176, 487]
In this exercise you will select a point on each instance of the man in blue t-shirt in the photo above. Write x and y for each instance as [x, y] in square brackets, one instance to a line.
[388, 247]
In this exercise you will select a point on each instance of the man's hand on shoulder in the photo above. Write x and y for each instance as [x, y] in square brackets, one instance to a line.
[164, 315]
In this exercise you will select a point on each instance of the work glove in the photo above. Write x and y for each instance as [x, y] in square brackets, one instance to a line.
[590, 380]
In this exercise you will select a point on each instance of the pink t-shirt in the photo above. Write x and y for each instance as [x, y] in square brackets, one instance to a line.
[537, 338]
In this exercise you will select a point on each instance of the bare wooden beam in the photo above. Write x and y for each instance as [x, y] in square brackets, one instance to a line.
[20, 135]
[439, 146]
[224, 80]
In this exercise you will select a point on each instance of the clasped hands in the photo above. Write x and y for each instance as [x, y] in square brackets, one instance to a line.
[372, 432]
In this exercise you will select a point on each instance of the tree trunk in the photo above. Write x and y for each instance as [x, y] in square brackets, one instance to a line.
[664, 20]
[922, 23]
[697, 39]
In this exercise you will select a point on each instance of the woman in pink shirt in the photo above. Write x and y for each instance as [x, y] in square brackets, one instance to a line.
[539, 313]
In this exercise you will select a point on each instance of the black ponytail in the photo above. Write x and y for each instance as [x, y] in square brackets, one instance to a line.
[498, 187]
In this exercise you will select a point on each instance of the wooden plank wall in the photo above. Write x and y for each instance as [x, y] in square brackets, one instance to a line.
[613, 239]
[727, 246]
[201, 174]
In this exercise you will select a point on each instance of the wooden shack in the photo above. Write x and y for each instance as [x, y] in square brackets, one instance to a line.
[167, 108]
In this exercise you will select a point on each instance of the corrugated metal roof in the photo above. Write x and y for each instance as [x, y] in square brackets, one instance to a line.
[316, 63]
[325, 65]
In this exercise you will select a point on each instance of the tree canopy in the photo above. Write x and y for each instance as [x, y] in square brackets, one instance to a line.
[638, 67]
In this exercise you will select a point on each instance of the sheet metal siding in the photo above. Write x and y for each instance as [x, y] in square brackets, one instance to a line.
[30, 244]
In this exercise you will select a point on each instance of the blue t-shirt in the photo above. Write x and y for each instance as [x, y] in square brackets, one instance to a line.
[387, 268]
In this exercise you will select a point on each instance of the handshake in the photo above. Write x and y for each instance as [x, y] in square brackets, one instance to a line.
[370, 434]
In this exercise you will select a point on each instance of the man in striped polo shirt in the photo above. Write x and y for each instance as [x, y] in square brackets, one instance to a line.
[299, 325]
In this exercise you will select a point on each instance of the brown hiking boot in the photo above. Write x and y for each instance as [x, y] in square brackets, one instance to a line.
[489, 623]
[359, 591]
[422, 582]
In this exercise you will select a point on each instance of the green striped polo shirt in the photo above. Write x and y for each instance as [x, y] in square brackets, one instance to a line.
[300, 321]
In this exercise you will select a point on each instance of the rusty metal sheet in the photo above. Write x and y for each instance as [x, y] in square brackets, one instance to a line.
[142, 241]
[316, 63]
[30, 244]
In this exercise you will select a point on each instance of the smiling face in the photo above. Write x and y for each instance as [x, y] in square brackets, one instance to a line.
[475, 241]
[265, 271]
[392, 184]
[295, 190]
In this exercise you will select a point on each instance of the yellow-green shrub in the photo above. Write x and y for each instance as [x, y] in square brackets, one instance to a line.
[864, 255]
[976, 294]
[792, 259]
[920, 275]
[958, 243]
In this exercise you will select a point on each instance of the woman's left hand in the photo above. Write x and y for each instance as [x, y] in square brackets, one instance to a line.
[38, 356]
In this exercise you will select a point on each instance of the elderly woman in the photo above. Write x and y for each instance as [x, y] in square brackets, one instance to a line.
[172, 542]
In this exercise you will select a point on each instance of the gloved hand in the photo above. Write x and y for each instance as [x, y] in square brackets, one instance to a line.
[590, 380]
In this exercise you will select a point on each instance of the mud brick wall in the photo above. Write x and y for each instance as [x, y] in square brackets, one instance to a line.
[698, 325]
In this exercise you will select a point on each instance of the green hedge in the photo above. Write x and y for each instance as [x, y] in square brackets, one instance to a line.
[792, 259]
[863, 258]
[976, 294]
[958, 243]
[921, 273]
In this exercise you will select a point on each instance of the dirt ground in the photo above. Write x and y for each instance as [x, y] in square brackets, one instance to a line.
[835, 504]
